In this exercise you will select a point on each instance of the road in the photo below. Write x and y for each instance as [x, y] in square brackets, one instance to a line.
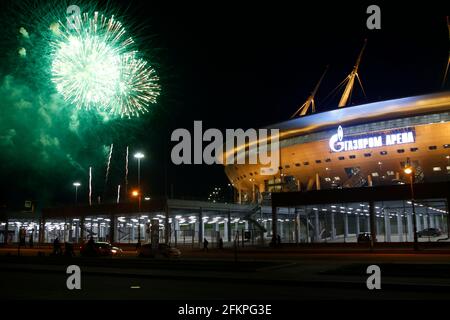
[216, 275]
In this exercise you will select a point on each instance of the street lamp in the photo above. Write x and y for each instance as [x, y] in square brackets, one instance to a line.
[139, 156]
[137, 193]
[409, 170]
[76, 185]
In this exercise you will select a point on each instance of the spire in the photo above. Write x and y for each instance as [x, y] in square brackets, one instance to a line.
[350, 80]
[309, 103]
[444, 81]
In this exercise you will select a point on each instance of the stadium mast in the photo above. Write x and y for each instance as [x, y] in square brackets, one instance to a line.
[350, 80]
[309, 103]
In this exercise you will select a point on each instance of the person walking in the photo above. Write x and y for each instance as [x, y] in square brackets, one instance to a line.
[30, 241]
[205, 244]
[56, 247]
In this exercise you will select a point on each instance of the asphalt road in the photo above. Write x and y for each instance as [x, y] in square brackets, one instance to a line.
[211, 276]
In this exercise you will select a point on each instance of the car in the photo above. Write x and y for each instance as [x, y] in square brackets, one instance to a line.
[163, 249]
[364, 237]
[97, 249]
[429, 232]
[116, 251]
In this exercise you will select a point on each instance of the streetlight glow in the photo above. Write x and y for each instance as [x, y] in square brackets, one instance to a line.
[408, 170]
[135, 193]
[76, 184]
[139, 155]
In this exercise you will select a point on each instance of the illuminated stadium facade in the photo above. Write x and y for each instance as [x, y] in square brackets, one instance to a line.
[364, 145]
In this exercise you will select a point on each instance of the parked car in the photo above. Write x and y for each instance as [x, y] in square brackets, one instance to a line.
[429, 232]
[97, 249]
[146, 251]
[116, 251]
[364, 237]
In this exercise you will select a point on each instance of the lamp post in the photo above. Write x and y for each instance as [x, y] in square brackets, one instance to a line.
[410, 172]
[76, 185]
[139, 156]
[137, 193]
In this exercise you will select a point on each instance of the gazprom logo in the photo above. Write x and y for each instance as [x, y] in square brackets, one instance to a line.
[340, 133]
[337, 142]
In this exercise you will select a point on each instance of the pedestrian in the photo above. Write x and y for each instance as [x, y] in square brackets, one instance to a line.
[220, 243]
[30, 242]
[205, 244]
[56, 247]
[22, 235]
[278, 239]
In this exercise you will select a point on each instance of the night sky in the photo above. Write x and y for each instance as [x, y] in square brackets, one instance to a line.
[236, 66]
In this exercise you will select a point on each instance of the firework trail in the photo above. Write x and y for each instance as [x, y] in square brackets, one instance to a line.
[109, 164]
[126, 172]
[90, 186]
[118, 193]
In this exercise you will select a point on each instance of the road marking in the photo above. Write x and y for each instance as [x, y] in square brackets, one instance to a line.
[135, 287]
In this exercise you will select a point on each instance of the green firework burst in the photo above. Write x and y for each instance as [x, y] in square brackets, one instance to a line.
[94, 66]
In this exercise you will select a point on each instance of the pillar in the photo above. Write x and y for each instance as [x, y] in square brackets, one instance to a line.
[431, 217]
[399, 226]
[274, 223]
[357, 225]
[418, 222]
[369, 180]
[167, 227]
[308, 238]
[425, 221]
[112, 224]
[316, 226]
[261, 188]
[333, 227]
[176, 229]
[226, 233]
[200, 226]
[217, 231]
[281, 229]
[196, 229]
[310, 184]
[387, 226]
[345, 225]
[81, 229]
[317, 181]
[410, 226]
[368, 224]
[253, 193]
[228, 225]
[436, 221]
[297, 227]
[372, 226]
[378, 225]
